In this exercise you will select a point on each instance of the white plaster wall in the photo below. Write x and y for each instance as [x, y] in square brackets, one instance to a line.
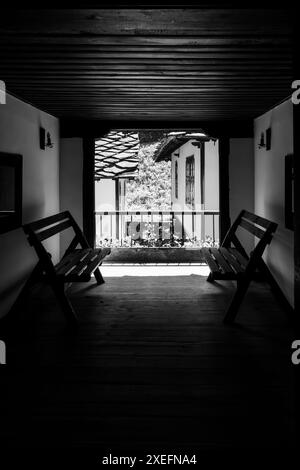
[71, 167]
[211, 186]
[105, 200]
[105, 195]
[19, 133]
[269, 191]
[212, 175]
[185, 151]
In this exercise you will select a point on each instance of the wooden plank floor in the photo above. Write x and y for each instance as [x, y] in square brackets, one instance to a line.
[152, 366]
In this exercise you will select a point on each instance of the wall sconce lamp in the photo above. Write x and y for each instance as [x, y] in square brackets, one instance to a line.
[265, 144]
[49, 142]
[45, 139]
[262, 141]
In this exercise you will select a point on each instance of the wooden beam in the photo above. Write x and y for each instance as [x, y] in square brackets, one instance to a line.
[88, 190]
[202, 175]
[224, 147]
[97, 128]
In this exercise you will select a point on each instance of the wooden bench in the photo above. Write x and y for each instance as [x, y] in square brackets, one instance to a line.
[231, 261]
[77, 264]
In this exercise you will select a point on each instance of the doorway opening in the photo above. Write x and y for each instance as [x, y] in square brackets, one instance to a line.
[156, 194]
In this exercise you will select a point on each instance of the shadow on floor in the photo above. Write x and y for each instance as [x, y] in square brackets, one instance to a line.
[152, 367]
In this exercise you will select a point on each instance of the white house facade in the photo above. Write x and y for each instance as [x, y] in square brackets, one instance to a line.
[195, 188]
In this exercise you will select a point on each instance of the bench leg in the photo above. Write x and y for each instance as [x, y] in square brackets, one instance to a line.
[233, 308]
[65, 304]
[98, 277]
[210, 278]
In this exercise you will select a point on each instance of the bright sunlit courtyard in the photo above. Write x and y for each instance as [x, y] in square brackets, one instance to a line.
[154, 269]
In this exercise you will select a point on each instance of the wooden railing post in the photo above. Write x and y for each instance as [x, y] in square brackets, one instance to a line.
[182, 228]
[172, 228]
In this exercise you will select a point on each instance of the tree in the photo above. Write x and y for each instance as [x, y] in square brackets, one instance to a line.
[151, 187]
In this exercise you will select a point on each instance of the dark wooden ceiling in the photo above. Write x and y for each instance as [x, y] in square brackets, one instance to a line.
[148, 64]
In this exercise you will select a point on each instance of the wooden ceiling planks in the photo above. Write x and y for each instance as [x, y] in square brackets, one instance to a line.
[201, 64]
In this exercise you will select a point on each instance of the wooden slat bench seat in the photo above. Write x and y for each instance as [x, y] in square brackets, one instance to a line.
[224, 263]
[77, 264]
[231, 261]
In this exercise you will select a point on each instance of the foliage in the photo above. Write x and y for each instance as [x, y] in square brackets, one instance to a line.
[151, 188]
[151, 137]
[150, 240]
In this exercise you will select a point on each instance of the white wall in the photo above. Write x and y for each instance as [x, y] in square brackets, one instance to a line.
[70, 181]
[105, 195]
[241, 183]
[105, 200]
[185, 151]
[203, 226]
[269, 191]
[211, 176]
[19, 133]
[71, 167]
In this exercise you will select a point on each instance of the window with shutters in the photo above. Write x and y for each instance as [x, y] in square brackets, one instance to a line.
[176, 180]
[190, 182]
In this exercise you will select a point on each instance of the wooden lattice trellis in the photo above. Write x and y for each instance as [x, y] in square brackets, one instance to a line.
[116, 155]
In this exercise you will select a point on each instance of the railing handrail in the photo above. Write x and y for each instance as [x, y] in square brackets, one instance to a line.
[158, 212]
[150, 226]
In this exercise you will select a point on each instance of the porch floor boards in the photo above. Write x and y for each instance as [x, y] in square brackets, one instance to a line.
[152, 367]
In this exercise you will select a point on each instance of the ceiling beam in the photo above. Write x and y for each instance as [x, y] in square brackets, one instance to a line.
[96, 128]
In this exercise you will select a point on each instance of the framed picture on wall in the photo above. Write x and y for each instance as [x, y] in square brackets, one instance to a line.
[289, 191]
[10, 191]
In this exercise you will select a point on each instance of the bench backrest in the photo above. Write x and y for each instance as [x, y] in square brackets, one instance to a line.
[48, 227]
[261, 228]
[42, 229]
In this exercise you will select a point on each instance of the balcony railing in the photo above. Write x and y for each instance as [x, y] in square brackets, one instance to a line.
[157, 228]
